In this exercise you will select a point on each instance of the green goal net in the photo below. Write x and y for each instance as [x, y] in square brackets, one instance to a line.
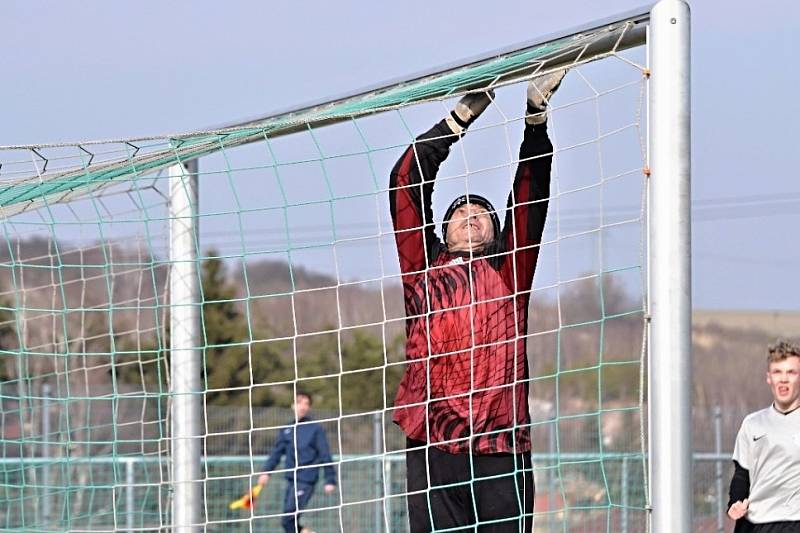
[294, 257]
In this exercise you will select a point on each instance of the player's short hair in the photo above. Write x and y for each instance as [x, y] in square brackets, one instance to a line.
[305, 395]
[780, 350]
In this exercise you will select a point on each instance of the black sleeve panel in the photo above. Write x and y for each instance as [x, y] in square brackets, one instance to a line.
[740, 485]
[526, 210]
[410, 193]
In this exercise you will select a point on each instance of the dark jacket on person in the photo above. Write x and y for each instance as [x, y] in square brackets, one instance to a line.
[312, 451]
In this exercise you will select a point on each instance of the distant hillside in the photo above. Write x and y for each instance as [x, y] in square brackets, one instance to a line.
[778, 323]
[300, 301]
[114, 295]
[730, 351]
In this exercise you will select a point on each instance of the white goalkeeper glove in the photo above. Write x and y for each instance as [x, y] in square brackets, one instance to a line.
[468, 109]
[540, 90]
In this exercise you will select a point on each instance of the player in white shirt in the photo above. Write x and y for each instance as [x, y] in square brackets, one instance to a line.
[765, 489]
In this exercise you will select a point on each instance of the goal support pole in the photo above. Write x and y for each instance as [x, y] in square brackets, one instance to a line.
[185, 353]
[670, 268]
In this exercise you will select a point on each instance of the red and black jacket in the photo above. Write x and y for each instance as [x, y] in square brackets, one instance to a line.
[465, 388]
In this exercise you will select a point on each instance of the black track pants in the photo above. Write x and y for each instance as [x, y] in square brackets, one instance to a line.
[498, 487]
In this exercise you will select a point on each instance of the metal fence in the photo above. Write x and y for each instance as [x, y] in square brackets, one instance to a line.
[575, 492]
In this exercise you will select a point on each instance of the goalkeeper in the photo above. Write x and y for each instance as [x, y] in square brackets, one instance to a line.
[308, 439]
[463, 400]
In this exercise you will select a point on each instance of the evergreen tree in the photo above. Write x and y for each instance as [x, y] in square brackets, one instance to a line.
[372, 381]
[229, 356]
[365, 379]
[227, 352]
[8, 341]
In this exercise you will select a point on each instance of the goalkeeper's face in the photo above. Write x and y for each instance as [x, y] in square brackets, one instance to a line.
[469, 229]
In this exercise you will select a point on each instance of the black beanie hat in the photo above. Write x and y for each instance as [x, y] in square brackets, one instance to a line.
[471, 199]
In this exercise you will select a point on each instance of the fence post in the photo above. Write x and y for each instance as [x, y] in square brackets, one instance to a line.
[718, 468]
[46, 504]
[551, 472]
[388, 473]
[377, 450]
[129, 496]
[625, 500]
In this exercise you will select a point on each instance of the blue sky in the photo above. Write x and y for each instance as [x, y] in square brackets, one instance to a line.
[75, 70]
